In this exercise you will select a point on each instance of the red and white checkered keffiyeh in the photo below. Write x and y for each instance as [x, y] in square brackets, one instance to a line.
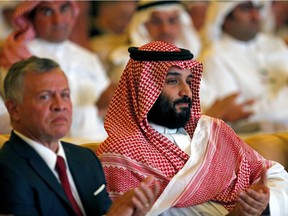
[14, 48]
[134, 150]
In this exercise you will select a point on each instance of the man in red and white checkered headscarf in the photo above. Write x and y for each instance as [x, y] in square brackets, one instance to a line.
[155, 128]
[43, 29]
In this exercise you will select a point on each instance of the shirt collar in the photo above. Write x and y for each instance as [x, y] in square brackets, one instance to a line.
[165, 130]
[161, 129]
[238, 43]
[45, 153]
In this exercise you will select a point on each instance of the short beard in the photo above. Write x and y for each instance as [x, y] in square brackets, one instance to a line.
[163, 112]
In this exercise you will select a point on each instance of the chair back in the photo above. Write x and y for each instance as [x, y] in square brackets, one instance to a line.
[271, 146]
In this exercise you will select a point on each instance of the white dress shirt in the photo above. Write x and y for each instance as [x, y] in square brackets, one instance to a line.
[50, 158]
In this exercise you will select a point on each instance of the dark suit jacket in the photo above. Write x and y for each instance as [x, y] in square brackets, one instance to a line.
[28, 187]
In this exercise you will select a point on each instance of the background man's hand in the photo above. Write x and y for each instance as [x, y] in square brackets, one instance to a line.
[229, 110]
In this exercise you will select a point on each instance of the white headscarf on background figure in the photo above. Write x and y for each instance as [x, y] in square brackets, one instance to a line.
[216, 14]
[188, 36]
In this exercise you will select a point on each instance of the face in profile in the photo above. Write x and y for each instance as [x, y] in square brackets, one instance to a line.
[45, 111]
[53, 21]
[164, 26]
[173, 106]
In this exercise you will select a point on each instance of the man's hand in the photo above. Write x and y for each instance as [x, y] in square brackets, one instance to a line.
[228, 109]
[255, 200]
[136, 202]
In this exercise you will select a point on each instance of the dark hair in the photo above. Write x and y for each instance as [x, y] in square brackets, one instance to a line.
[14, 80]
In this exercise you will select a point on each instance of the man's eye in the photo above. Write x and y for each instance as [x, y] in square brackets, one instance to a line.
[173, 21]
[172, 81]
[155, 22]
[44, 97]
[66, 95]
[66, 8]
[189, 82]
[47, 12]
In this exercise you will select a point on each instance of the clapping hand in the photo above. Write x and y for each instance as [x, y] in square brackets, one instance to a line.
[136, 202]
[255, 200]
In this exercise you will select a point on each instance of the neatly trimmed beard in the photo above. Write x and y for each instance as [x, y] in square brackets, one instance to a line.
[164, 113]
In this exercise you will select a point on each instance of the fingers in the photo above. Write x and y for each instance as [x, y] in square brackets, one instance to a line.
[147, 191]
[253, 202]
[139, 204]
[228, 100]
[260, 186]
[138, 201]
[145, 195]
[233, 96]
[263, 176]
[149, 180]
[249, 102]
[229, 109]
[256, 198]
[221, 106]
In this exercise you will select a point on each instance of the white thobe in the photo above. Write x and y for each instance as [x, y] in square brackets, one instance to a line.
[257, 69]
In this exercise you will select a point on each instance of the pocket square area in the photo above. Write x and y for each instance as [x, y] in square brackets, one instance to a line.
[101, 188]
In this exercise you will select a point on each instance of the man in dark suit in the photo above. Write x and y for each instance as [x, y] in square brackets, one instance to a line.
[37, 97]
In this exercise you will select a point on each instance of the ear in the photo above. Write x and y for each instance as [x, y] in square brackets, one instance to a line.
[13, 109]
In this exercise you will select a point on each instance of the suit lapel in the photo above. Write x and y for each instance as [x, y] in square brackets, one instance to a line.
[76, 167]
[38, 165]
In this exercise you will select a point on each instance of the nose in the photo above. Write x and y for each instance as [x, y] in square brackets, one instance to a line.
[255, 13]
[165, 27]
[57, 18]
[185, 90]
[58, 103]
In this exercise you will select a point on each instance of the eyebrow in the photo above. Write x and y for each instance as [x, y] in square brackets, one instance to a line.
[42, 8]
[47, 6]
[50, 90]
[176, 74]
[66, 4]
[173, 73]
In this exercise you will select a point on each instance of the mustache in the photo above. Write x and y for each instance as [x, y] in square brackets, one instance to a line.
[183, 100]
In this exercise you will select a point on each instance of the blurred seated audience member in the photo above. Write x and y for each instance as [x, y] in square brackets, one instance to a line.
[80, 32]
[250, 66]
[197, 11]
[41, 175]
[7, 9]
[225, 108]
[42, 28]
[275, 18]
[112, 17]
[166, 21]
[109, 27]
